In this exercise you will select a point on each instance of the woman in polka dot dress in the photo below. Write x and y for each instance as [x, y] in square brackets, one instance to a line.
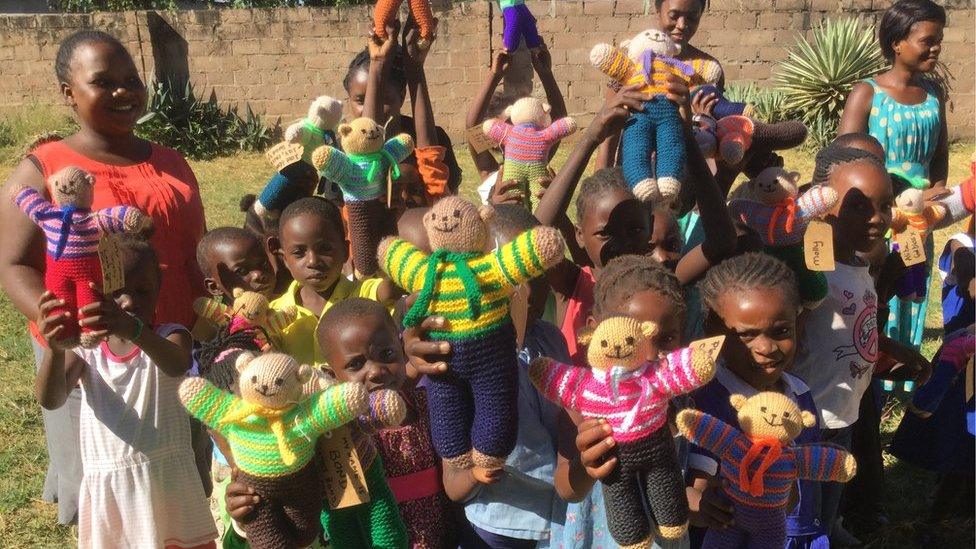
[905, 112]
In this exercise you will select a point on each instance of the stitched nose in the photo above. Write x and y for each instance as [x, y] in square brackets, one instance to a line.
[617, 348]
[264, 388]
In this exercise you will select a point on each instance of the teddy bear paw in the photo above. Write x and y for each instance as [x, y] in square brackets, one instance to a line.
[487, 462]
[732, 151]
[645, 543]
[646, 190]
[672, 532]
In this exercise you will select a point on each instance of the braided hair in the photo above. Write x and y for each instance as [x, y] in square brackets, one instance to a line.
[597, 184]
[835, 155]
[747, 272]
[625, 275]
[221, 370]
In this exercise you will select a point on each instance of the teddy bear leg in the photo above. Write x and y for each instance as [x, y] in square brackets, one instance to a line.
[85, 295]
[671, 152]
[451, 412]
[626, 518]
[663, 484]
[510, 34]
[384, 13]
[365, 232]
[724, 538]
[637, 143]
[491, 366]
[301, 503]
[764, 528]
[63, 287]
[422, 14]
[527, 27]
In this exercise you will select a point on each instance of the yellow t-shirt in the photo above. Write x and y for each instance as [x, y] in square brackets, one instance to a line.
[298, 339]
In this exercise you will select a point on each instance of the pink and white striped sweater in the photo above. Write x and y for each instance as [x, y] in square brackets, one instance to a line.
[87, 227]
[526, 143]
[640, 406]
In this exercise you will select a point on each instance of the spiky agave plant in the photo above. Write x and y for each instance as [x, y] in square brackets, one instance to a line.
[820, 72]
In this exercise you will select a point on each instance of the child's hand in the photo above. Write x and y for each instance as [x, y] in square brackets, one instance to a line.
[708, 508]
[501, 62]
[542, 60]
[677, 91]
[51, 326]
[506, 192]
[109, 316]
[615, 112]
[240, 499]
[382, 50]
[486, 476]
[427, 357]
[594, 441]
[414, 53]
[704, 103]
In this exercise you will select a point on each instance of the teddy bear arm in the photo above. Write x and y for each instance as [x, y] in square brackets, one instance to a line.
[334, 165]
[333, 407]
[399, 146]
[708, 432]
[212, 310]
[32, 203]
[678, 68]
[404, 263]
[496, 130]
[204, 401]
[386, 409]
[754, 214]
[934, 213]
[281, 319]
[679, 374]
[295, 133]
[824, 463]
[558, 382]
[559, 129]
[529, 255]
[816, 202]
[613, 62]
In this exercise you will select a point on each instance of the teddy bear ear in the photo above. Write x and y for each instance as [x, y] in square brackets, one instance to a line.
[344, 129]
[507, 113]
[237, 292]
[794, 177]
[809, 420]
[243, 360]
[546, 108]
[648, 328]
[304, 374]
[585, 336]
[486, 213]
[737, 401]
[625, 44]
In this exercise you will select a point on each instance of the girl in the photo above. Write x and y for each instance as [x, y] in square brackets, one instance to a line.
[905, 112]
[752, 299]
[140, 486]
[99, 81]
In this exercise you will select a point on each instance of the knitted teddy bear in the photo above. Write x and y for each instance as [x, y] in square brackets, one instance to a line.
[519, 25]
[910, 211]
[297, 180]
[632, 394]
[318, 128]
[361, 173]
[250, 311]
[658, 127]
[272, 428]
[723, 107]
[780, 219]
[737, 134]
[471, 288]
[73, 231]
[527, 141]
[386, 11]
[760, 465]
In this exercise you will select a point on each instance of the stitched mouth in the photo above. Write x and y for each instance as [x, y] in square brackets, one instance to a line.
[771, 423]
[265, 393]
[620, 356]
[447, 229]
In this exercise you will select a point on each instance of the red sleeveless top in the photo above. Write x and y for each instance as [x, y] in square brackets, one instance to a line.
[163, 187]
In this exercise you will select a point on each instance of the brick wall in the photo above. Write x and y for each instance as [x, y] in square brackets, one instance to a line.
[276, 59]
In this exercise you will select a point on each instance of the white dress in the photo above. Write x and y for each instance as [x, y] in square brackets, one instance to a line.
[140, 486]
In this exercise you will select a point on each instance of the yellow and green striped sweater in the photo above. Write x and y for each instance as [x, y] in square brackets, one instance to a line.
[252, 440]
[497, 274]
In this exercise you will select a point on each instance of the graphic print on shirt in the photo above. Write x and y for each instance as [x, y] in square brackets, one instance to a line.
[864, 347]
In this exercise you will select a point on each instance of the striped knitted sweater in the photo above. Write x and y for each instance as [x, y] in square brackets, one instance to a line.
[650, 73]
[254, 444]
[497, 274]
[87, 227]
[640, 406]
[784, 225]
[526, 143]
[352, 172]
[808, 461]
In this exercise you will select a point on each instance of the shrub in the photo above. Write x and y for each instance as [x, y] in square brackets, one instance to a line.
[6, 135]
[768, 103]
[198, 128]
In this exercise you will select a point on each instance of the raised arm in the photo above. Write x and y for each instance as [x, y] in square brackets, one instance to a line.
[529, 255]
[485, 161]
[405, 264]
[204, 401]
[681, 372]
[399, 146]
[824, 463]
[558, 382]
[709, 432]
[386, 409]
[334, 407]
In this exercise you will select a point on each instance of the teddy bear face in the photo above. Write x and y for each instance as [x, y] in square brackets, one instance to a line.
[251, 305]
[325, 112]
[457, 225]
[910, 201]
[651, 39]
[772, 415]
[773, 185]
[272, 380]
[529, 110]
[72, 187]
[361, 136]
[619, 341]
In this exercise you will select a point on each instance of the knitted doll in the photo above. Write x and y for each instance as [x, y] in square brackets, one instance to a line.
[73, 231]
[910, 211]
[527, 141]
[386, 11]
[250, 311]
[318, 128]
[760, 465]
[471, 288]
[737, 134]
[632, 395]
[272, 430]
[519, 25]
[658, 126]
[361, 173]
[780, 219]
[723, 107]
[297, 180]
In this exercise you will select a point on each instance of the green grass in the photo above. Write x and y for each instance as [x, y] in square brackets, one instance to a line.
[25, 521]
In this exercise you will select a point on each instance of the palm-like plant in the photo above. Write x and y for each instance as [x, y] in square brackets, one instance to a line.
[819, 73]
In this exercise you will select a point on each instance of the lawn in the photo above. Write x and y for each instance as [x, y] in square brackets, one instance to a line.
[25, 521]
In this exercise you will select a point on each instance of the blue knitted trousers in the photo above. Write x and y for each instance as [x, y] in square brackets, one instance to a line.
[656, 128]
[755, 528]
[476, 402]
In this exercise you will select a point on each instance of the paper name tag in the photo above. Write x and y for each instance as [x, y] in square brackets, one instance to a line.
[345, 481]
[110, 256]
[478, 140]
[710, 345]
[911, 246]
[284, 154]
[818, 246]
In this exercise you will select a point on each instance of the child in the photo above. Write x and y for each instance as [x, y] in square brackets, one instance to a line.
[361, 343]
[313, 246]
[841, 340]
[753, 300]
[140, 486]
[231, 257]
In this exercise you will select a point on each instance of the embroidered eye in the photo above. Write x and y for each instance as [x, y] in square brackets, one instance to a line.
[763, 409]
[457, 213]
[362, 130]
[603, 343]
[279, 382]
[629, 340]
[786, 414]
[254, 379]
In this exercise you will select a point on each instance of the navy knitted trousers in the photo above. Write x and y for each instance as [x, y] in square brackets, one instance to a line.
[476, 402]
[656, 128]
[723, 107]
[646, 467]
[755, 528]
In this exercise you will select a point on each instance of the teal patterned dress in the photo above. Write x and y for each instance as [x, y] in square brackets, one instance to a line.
[909, 135]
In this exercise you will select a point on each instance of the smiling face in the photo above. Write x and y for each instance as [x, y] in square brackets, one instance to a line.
[105, 89]
[773, 415]
[457, 225]
[362, 135]
[862, 215]
[773, 185]
[619, 341]
[72, 187]
[920, 50]
[679, 19]
[651, 39]
[273, 380]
